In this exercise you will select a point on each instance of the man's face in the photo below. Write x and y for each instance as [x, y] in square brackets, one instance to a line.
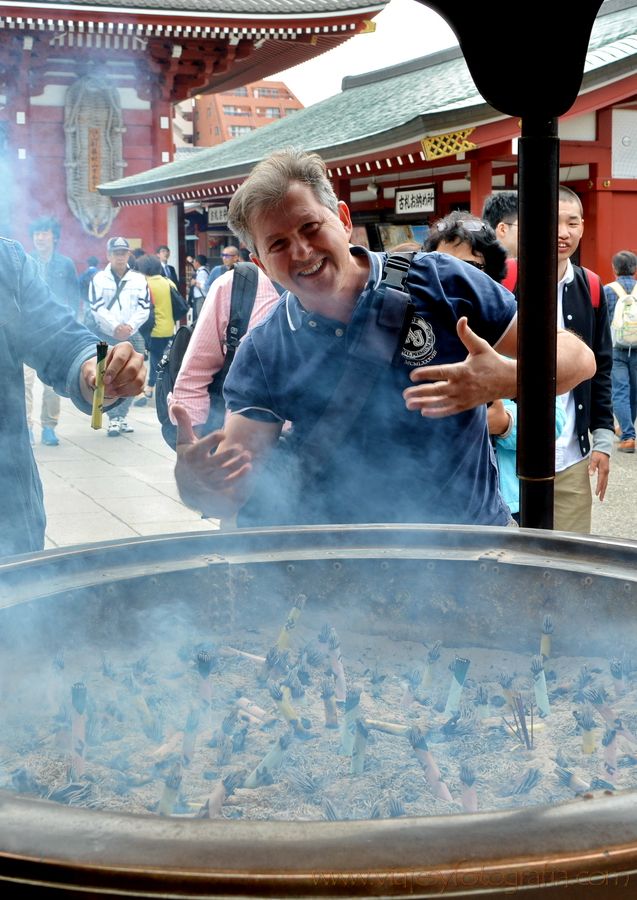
[570, 227]
[507, 234]
[119, 261]
[163, 255]
[304, 247]
[230, 257]
[43, 243]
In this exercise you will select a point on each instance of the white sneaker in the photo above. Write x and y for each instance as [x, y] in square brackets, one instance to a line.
[113, 428]
[124, 427]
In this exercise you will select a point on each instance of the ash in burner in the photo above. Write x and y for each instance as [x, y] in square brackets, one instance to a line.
[312, 721]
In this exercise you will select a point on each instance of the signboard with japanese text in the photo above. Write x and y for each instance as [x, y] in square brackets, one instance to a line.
[415, 200]
[217, 215]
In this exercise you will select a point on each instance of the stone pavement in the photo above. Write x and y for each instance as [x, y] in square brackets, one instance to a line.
[99, 488]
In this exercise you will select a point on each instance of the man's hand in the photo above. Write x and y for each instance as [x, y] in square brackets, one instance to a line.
[209, 478]
[124, 374]
[600, 463]
[450, 389]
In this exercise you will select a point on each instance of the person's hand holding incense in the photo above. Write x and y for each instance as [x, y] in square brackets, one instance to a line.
[124, 375]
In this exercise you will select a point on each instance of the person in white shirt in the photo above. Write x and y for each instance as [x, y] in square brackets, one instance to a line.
[120, 304]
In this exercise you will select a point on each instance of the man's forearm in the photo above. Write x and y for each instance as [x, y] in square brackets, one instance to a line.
[575, 362]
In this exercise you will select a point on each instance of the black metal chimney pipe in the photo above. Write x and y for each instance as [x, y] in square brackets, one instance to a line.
[520, 71]
[538, 174]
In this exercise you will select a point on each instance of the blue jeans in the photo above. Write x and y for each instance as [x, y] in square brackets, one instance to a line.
[624, 376]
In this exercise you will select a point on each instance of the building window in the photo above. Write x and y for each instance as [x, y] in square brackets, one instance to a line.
[272, 112]
[237, 92]
[236, 111]
[237, 130]
[266, 92]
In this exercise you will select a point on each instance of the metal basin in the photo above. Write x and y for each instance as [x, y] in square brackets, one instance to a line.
[492, 584]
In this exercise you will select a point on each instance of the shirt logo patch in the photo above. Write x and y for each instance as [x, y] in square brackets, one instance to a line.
[420, 345]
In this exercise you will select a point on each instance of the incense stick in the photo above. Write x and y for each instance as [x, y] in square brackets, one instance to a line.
[98, 393]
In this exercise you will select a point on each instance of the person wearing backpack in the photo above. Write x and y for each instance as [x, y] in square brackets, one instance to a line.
[160, 289]
[374, 364]
[198, 283]
[207, 348]
[621, 296]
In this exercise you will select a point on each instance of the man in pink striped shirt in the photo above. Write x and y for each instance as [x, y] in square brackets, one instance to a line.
[206, 350]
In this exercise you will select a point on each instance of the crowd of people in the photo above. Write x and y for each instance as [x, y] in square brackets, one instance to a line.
[363, 390]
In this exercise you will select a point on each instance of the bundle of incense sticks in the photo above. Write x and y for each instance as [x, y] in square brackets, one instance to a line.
[271, 762]
[459, 668]
[539, 686]
[432, 658]
[220, 793]
[598, 698]
[170, 792]
[609, 743]
[412, 681]
[204, 668]
[283, 641]
[98, 393]
[586, 722]
[190, 737]
[359, 747]
[617, 671]
[430, 767]
[78, 729]
[329, 704]
[348, 725]
[469, 797]
[336, 662]
[545, 641]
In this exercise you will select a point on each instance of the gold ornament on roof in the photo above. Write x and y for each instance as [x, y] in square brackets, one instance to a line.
[449, 144]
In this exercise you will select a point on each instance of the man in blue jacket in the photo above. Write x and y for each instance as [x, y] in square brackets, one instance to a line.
[38, 330]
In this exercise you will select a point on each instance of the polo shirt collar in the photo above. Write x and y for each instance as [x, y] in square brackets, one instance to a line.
[297, 314]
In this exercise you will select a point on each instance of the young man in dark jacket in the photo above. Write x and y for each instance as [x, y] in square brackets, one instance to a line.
[583, 450]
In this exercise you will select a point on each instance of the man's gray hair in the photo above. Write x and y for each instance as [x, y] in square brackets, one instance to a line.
[269, 182]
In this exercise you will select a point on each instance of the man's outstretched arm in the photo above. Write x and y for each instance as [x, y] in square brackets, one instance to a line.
[487, 375]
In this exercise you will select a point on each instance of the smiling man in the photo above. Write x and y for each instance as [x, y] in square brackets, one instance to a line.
[584, 447]
[387, 410]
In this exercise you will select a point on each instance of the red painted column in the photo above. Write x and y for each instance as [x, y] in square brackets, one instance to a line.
[481, 181]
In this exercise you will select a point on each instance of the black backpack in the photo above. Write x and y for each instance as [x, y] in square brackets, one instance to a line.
[244, 289]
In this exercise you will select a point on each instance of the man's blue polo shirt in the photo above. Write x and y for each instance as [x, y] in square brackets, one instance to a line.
[392, 465]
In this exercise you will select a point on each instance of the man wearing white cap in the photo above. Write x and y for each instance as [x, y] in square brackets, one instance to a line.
[120, 304]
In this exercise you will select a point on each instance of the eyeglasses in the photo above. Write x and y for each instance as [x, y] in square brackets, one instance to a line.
[229, 255]
[467, 224]
[478, 265]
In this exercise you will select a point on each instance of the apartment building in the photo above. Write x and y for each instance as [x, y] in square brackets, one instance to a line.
[211, 119]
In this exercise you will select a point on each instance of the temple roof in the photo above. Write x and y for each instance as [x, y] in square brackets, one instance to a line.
[206, 45]
[381, 110]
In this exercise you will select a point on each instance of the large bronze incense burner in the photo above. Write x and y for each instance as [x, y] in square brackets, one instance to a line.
[408, 593]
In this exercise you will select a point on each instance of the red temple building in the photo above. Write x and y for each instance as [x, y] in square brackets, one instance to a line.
[88, 90]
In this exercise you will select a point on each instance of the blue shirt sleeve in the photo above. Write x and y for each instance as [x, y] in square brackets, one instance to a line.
[245, 389]
[458, 289]
[54, 343]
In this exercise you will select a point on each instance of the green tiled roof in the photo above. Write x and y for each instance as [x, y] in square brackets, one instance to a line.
[387, 107]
